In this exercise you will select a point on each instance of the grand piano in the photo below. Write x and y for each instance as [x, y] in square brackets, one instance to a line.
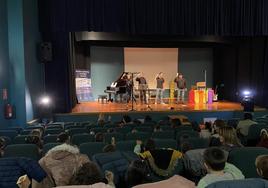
[118, 87]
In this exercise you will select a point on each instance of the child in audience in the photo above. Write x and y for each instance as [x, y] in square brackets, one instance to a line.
[64, 138]
[217, 168]
[90, 174]
[2, 146]
[99, 137]
[262, 166]
[157, 129]
[139, 148]
[244, 125]
[215, 137]
[264, 139]
[228, 138]
[206, 131]
[137, 173]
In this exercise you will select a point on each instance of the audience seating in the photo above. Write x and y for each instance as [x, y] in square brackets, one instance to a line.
[254, 133]
[53, 131]
[123, 130]
[196, 143]
[138, 136]
[68, 127]
[78, 139]
[50, 138]
[54, 127]
[21, 139]
[247, 183]
[49, 146]
[74, 131]
[22, 150]
[25, 132]
[126, 145]
[164, 135]
[183, 128]
[114, 162]
[98, 130]
[91, 148]
[117, 136]
[144, 129]
[244, 158]
[7, 140]
[9, 133]
[165, 143]
[190, 134]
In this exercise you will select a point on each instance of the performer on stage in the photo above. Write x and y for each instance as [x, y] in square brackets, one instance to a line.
[142, 87]
[181, 86]
[159, 88]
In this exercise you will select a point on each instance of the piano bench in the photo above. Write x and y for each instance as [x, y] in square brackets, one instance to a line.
[102, 98]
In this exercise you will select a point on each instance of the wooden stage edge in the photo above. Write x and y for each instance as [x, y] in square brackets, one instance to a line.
[95, 107]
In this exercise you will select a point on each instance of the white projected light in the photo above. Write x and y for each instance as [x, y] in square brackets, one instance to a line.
[45, 100]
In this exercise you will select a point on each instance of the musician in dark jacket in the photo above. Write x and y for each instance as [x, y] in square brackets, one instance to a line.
[142, 87]
[181, 86]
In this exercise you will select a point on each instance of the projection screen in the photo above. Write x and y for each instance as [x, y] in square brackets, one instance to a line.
[151, 61]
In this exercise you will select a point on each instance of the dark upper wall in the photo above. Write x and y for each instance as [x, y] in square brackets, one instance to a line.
[172, 17]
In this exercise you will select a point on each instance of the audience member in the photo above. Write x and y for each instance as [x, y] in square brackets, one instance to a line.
[99, 137]
[63, 138]
[173, 182]
[262, 166]
[60, 163]
[244, 125]
[90, 174]
[206, 131]
[148, 119]
[139, 148]
[215, 137]
[109, 148]
[264, 139]
[175, 123]
[157, 128]
[217, 168]
[228, 138]
[137, 173]
[101, 119]
[2, 146]
[34, 140]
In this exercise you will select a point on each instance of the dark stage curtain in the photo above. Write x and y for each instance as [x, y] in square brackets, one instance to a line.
[167, 17]
[243, 65]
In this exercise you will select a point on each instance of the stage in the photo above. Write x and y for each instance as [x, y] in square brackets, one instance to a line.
[97, 107]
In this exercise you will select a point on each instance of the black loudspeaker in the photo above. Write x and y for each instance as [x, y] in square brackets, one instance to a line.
[45, 52]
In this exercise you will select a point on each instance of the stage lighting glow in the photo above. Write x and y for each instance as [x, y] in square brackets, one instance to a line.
[45, 100]
[246, 93]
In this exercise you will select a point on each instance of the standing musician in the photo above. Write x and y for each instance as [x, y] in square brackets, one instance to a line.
[159, 88]
[142, 87]
[181, 86]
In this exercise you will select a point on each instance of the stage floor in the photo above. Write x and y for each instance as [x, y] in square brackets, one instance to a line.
[95, 107]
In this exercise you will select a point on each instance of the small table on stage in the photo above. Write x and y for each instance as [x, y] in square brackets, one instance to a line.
[201, 96]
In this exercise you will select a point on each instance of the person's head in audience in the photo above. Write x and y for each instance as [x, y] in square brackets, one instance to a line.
[36, 132]
[101, 119]
[262, 166]
[126, 119]
[137, 173]
[175, 123]
[149, 145]
[34, 140]
[63, 138]
[218, 123]
[264, 134]
[248, 116]
[109, 148]
[157, 128]
[88, 174]
[99, 137]
[214, 159]
[208, 126]
[228, 136]
[2, 146]
[147, 118]
[185, 146]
